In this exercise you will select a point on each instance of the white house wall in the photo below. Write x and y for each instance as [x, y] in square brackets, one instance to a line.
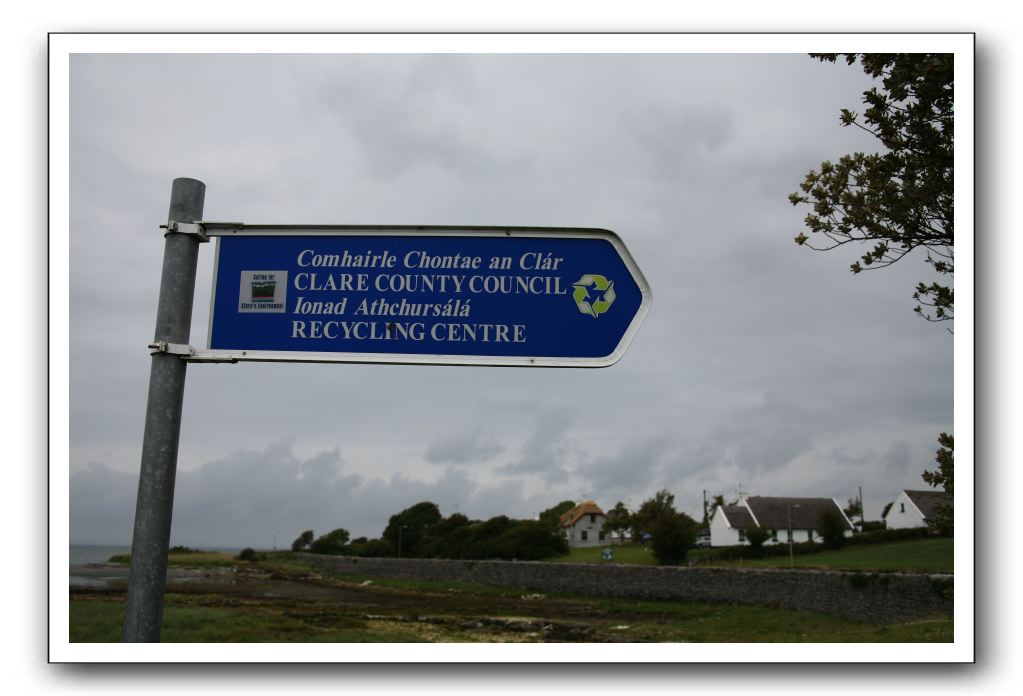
[593, 529]
[720, 533]
[903, 514]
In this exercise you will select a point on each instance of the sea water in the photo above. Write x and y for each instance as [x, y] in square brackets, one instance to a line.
[80, 554]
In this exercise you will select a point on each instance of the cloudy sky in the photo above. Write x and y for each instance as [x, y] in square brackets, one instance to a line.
[761, 365]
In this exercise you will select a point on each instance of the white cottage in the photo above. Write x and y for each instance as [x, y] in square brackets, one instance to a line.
[728, 524]
[583, 525]
[915, 508]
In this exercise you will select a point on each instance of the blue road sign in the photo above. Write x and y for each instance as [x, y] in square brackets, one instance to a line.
[433, 295]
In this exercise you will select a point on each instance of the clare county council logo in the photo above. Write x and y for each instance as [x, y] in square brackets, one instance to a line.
[593, 294]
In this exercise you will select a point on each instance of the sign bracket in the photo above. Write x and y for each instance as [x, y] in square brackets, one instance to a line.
[181, 349]
[192, 228]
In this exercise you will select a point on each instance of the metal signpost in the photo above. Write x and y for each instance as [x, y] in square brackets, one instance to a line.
[527, 296]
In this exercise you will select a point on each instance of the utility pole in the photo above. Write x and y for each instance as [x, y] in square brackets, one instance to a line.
[147, 578]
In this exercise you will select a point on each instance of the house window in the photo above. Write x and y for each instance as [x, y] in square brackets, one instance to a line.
[809, 535]
[902, 507]
[788, 534]
[584, 535]
[742, 535]
[600, 535]
[593, 519]
[774, 535]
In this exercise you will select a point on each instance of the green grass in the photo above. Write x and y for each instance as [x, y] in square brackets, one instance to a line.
[922, 555]
[628, 553]
[187, 620]
[199, 559]
[919, 555]
[437, 611]
[101, 621]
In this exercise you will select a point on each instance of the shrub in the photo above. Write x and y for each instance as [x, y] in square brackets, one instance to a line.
[756, 536]
[832, 527]
[373, 548]
[247, 554]
[672, 535]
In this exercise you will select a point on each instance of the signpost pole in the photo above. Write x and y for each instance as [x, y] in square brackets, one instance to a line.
[155, 503]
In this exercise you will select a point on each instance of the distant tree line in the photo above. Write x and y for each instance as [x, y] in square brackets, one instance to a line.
[420, 531]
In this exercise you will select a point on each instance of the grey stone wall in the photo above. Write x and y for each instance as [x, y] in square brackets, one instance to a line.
[866, 597]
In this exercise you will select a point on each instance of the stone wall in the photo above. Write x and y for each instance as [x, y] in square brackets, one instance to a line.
[866, 597]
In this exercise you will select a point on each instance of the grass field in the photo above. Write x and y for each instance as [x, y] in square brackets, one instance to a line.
[364, 609]
[201, 559]
[485, 618]
[920, 555]
[628, 553]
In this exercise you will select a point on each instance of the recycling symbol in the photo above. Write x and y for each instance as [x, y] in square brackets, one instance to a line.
[593, 294]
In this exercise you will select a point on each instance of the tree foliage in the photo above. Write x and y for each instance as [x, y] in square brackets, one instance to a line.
[671, 532]
[650, 512]
[943, 522]
[946, 465]
[553, 515]
[303, 542]
[332, 542]
[411, 526]
[901, 198]
[618, 519]
[853, 508]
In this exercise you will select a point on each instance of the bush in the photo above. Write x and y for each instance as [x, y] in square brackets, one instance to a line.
[373, 548]
[248, 554]
[671, 536]
[832, 527]
[529, 541]
[756, 536]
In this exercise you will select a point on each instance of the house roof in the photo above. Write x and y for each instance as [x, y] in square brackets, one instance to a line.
[927, 501]
[773, 513]
[738, 517]
[572, 516]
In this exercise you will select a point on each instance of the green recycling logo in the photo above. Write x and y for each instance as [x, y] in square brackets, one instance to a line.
[593, 294]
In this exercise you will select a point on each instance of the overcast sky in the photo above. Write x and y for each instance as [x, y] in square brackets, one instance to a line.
[761, 364]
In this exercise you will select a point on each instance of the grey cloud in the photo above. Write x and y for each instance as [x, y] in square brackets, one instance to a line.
[546, 451]
[678, 141]
[615, 474]
[102, 505]
[765, 435]
[405, 113]
[463, 448]
[251, 497]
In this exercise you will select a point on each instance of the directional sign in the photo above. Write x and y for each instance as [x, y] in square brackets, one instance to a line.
[434, 295]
